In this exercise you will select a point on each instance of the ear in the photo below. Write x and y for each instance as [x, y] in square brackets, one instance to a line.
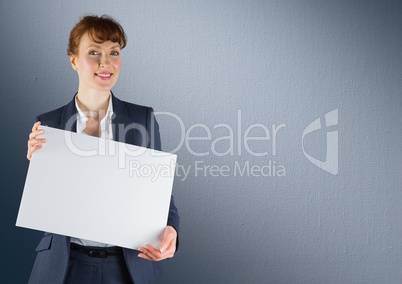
[73, 60]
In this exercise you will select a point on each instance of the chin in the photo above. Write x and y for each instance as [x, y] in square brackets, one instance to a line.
[105, 88]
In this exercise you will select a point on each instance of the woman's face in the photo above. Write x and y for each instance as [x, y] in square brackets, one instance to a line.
[97, 64]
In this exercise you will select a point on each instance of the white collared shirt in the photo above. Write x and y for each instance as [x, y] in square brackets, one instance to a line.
[105, 124]
[106, 133]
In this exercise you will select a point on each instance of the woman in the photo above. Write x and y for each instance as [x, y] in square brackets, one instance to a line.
[94, 49]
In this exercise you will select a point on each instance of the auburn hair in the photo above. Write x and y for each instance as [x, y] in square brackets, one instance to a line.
[99, 29]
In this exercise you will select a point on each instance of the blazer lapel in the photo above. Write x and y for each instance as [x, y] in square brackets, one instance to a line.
[120, 119]
[68, 119]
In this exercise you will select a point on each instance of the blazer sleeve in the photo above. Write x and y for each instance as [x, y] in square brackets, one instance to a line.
[154, 142]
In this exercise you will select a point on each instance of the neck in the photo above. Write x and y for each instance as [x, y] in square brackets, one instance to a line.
[93, 102]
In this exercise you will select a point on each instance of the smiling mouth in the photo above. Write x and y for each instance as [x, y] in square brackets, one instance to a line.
[104, 75]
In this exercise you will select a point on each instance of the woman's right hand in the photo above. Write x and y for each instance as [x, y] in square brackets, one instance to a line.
[35, 143]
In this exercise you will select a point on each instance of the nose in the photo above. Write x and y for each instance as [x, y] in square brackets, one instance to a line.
[104, 60]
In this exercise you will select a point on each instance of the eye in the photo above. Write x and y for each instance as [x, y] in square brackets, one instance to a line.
[115, 53]
[93, 52]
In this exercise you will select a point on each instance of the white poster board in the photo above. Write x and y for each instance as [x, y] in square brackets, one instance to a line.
[96, 189]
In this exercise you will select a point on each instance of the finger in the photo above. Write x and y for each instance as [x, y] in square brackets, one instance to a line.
[35, 133]
[33, 142]
[169, 237]
[171, 247]
[35, 126]
[164, 244]
[144, 256]
[33, 150]
[152, 249]
[33, 146]
[157, 255]
[152, 254]
[170, 250]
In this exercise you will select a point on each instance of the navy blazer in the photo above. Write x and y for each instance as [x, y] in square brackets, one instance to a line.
[132, 124]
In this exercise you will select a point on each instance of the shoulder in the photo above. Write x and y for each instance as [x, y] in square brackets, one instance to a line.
[135, 109]
[51, 118]
[57, 118]
[133, 112]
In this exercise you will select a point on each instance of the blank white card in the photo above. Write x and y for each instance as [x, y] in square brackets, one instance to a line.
[96, 189]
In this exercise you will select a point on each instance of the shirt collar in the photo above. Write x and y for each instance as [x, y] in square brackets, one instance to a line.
[82, 117]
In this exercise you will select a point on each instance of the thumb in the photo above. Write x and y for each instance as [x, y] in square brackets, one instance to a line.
[165, 242]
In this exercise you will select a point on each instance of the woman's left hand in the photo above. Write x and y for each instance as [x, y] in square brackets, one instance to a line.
[167, 248]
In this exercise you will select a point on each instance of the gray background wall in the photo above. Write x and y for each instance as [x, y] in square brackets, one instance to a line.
[276, 62]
